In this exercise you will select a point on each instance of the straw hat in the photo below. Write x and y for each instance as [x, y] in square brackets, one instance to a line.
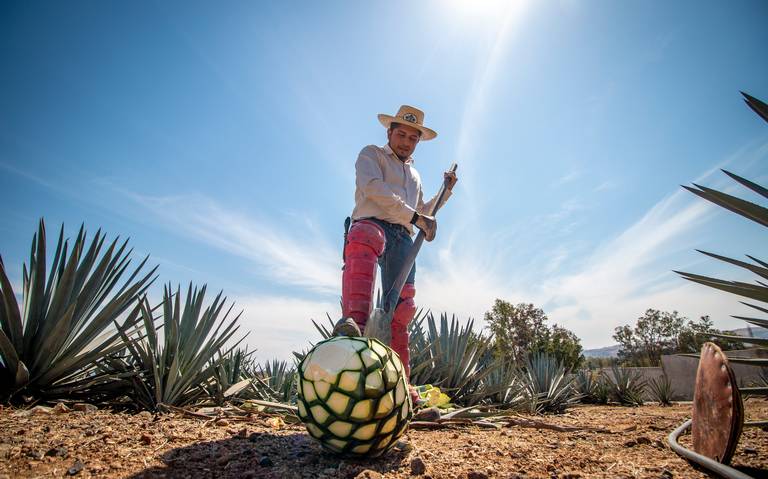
[410, 116]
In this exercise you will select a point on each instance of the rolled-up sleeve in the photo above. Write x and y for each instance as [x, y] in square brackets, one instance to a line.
[426, 208]
[370, 180]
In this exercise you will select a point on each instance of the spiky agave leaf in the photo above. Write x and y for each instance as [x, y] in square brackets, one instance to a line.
[176, 370]
[49, 347]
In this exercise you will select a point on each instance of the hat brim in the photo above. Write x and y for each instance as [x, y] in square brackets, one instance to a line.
[426, 133]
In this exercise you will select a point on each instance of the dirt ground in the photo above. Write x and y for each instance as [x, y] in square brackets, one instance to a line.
[111, 445]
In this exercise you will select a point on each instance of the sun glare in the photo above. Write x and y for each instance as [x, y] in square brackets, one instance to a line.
[480, 9]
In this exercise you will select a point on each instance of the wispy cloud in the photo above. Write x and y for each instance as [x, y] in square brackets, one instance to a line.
[622, 277]
[297, 256]
[567, 178]
[279, 325]
[606, 185]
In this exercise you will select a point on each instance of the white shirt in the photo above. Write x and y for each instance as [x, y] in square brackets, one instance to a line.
[387, 188]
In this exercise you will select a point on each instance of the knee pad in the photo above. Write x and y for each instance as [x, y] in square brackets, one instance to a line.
[365, 243]
[401, 317]
[406, 307]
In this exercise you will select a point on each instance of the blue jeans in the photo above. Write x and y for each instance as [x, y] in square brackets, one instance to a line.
[398, 245]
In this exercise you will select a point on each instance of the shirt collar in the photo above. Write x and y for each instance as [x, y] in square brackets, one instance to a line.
[388, 150]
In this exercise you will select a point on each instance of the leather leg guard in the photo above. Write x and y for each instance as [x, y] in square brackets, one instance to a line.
[404, 312]
[365, 243]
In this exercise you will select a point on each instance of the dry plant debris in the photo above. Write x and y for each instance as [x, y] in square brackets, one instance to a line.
[588, 441]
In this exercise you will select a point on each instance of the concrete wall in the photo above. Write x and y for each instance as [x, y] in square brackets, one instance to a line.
[681, 371]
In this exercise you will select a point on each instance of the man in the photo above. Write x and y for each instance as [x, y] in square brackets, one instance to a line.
[388, 203]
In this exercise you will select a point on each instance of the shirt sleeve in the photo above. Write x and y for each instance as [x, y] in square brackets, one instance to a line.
[370, 180]
[426, 208]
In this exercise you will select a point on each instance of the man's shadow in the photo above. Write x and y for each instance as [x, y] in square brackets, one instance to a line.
[265, 455]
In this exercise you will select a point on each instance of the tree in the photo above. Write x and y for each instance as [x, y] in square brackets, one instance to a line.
[518, 330]
[661, 332]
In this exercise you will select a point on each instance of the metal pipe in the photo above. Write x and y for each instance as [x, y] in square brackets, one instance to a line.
[703, 461]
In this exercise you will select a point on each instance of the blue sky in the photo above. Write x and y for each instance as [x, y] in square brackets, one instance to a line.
[221, 138]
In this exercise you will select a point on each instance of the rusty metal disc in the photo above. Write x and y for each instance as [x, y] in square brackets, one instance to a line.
[718, 413]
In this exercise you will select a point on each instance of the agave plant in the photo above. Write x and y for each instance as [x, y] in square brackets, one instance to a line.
[450, 356]
[627, 386]
[757, 291]
[548, 384]
[230, 376]
[177, 368]
[503, 386]
[661, 390]
[49, 347]
[585, 382]
[276, 381]
[602, 391]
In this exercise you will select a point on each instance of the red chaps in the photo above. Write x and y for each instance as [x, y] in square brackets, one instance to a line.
[365, 243]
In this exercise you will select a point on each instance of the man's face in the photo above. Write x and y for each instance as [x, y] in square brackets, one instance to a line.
[403, 140]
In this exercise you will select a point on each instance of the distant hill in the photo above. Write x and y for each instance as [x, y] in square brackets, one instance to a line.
[607, 352]
[613, 351]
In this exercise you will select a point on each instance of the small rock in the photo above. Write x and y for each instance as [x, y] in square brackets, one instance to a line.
[221, 422]
[667, 474]
[85, 407]
[455, 435]
[266, 462]
[146, 415]
[40, 410]
[569, 475]
[641, 440]
[224, 459]
[254, 436]
[477, 475]
[630, 443]
[749, 450]
[429, 414]
[60, 451]
[369, 474]
[242, 433]
[34, 454]
[60, 408]
[76, 468]
[146, 439]
[417, 466]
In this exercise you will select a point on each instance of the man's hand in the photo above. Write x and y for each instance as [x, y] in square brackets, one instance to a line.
[428, 225]
[450, 179]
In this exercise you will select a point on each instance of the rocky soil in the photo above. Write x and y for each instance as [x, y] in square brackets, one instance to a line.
[96, 443]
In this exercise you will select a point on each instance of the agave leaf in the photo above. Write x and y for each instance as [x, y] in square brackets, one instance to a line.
[763, 272]
[8, 355]
[57, 266]
[736, 287]
[34, 303]
[763, 323]
[744, 208]
[743, 339]
[237, 387]
[751, 361]
[757, 391]
[756, 105]
[9, 313]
